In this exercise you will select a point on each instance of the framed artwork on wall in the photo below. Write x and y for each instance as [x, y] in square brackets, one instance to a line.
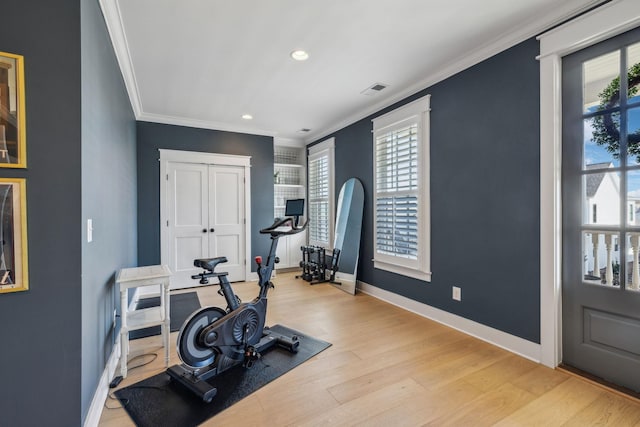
[13, 235]
[12, 112]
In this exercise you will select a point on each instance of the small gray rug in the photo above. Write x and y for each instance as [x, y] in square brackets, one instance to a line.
[180, 308]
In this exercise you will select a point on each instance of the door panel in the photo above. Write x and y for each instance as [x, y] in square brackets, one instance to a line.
[188, 217]
[601, 198]
[612, 332]
[189, 191]
[226, 218]
[186, 250]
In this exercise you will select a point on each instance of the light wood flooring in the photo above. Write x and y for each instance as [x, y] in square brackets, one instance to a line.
[390, 367]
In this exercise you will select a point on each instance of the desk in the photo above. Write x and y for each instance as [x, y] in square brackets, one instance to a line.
[127, 278]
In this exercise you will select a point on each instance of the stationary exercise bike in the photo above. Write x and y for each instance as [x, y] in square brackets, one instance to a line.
[213, 340]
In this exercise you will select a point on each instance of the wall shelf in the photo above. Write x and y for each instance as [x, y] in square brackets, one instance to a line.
[289, 185]
[287, 165]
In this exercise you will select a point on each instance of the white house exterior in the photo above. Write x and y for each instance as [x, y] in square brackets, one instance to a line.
[602, 207]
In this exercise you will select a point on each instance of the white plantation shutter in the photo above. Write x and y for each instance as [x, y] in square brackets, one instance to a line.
[396, 195]
[401, 225]
[319, 199]
[320, 166]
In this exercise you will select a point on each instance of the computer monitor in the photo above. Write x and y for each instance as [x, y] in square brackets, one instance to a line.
[294, 208]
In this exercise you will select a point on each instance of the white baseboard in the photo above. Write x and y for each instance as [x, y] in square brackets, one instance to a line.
[102, 391]
[517, 345]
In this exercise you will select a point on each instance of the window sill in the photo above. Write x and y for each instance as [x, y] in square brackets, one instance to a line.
[404, 271]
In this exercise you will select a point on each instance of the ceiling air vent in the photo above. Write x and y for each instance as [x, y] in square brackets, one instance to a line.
[374, 89]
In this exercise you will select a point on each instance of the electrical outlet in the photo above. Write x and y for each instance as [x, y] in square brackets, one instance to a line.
[457, 293]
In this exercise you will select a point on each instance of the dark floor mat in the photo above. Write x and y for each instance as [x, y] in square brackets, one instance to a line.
[159, 402]
[180, 308]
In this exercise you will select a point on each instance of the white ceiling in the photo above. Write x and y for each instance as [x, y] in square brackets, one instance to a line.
[205, 63]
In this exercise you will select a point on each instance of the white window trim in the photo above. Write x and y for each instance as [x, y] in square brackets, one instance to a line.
[421, 109]
[600, 24]
[325, 147]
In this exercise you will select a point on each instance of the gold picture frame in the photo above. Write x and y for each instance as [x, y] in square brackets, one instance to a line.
[13, 140]
[14, 271]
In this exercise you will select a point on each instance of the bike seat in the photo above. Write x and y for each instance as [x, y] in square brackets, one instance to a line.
[209, 263]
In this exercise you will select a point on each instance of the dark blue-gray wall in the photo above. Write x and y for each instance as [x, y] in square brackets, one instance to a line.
[154, 136]
[485, 193]
[108, 194]
[81, 164]
[40, 332]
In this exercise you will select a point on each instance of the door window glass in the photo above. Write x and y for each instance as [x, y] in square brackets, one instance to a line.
[601, 261]
[598, 73]
[611, 169]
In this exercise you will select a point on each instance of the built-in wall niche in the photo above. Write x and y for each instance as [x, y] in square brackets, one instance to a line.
[289, 182]
[289, 176]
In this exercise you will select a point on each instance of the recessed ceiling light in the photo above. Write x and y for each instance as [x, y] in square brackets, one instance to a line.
[247, 116]
[299, 55]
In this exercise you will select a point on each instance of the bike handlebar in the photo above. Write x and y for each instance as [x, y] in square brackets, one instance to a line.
[280, 227]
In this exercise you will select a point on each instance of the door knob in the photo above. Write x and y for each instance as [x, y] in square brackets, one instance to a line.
[212, 230]
[204, 230]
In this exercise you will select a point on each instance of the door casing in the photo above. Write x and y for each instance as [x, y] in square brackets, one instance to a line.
[598, 25]
[168, 156]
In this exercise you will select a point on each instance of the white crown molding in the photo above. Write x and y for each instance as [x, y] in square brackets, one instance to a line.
[565, 10]
[288, 142]
[202, 124]
[115, 27]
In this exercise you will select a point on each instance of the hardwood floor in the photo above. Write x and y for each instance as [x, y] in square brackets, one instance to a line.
[390, 367]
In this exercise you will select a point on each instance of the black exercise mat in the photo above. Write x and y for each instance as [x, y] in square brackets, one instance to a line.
[180, 308]
[158, 402]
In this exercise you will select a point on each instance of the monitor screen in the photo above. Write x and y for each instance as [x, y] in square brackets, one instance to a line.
[294, 207]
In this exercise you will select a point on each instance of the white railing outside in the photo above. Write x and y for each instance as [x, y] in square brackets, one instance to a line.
[602, 260]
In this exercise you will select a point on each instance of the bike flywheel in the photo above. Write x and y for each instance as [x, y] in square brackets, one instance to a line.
[190, 351]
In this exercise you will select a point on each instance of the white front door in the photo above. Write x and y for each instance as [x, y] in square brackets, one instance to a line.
[601, 233]
[205, 218]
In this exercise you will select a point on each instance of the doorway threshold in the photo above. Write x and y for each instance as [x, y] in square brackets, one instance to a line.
[600, 382]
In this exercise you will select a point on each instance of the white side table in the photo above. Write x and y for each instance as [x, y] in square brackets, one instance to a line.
[138, 319]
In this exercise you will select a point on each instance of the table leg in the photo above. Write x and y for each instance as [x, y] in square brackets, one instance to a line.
[167, 322]
[124, 334]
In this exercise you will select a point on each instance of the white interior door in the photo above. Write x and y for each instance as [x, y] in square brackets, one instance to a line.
[227, 219]
[204, 215]
[187, 220]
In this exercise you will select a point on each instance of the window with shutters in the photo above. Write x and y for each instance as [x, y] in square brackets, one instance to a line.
[401, 182]
[320, 183]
